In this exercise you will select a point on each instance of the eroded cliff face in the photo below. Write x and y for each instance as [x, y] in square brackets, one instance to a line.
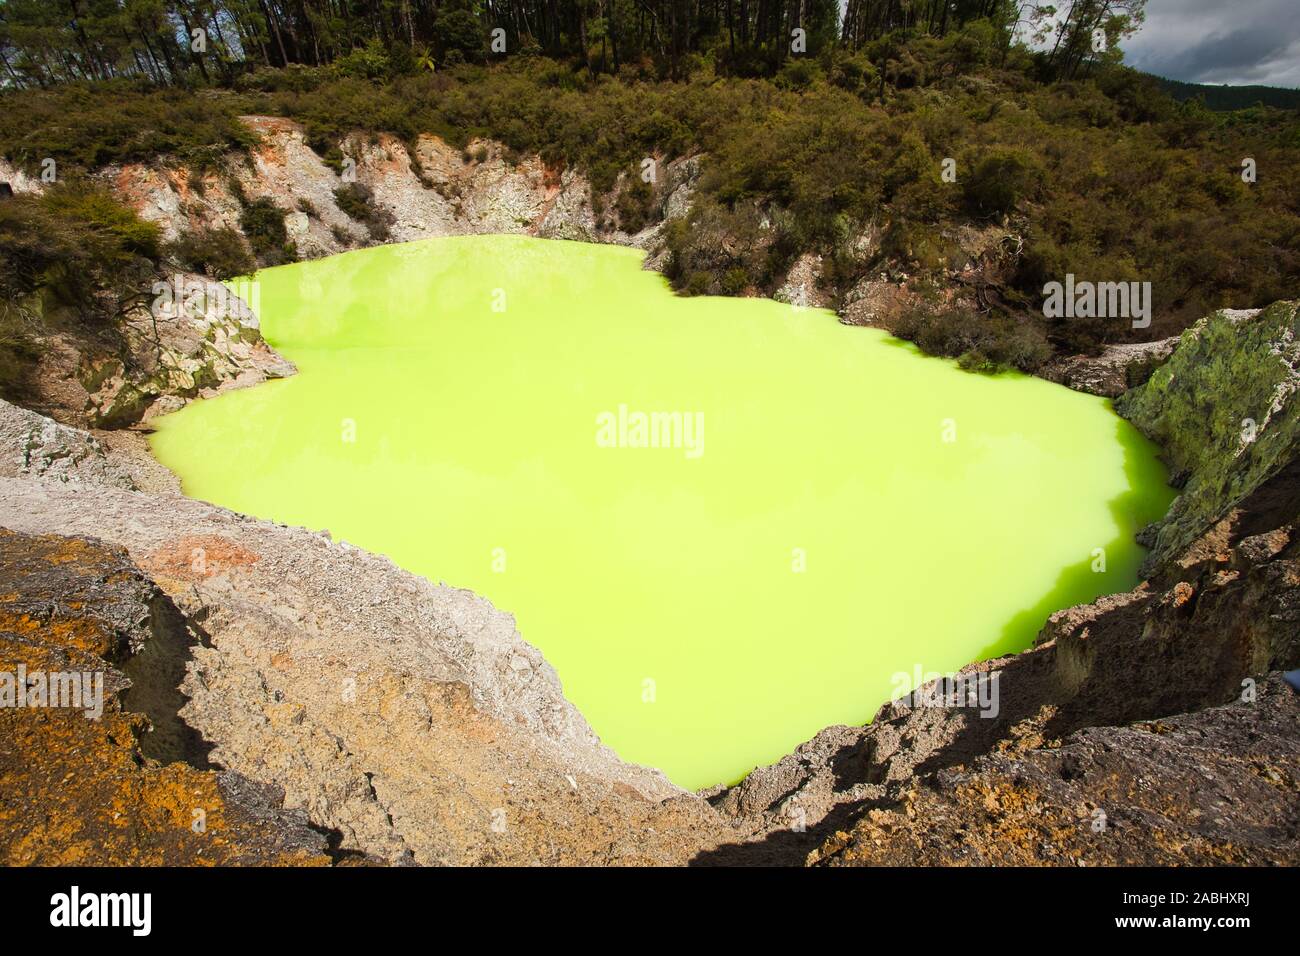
[193, 338]
[425, 190]
[429, 191]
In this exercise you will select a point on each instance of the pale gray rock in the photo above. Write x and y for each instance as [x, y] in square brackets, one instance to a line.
[1117, 369]
[801, 283]
[31, 444]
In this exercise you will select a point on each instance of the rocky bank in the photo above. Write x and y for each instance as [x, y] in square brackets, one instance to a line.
[206, 340]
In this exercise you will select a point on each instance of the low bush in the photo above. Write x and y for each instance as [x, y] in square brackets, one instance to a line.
[358, 202]
[635, 205]
[983, 343]
[219, 253]
[262, 222]
[1001, 180]
[719, 251]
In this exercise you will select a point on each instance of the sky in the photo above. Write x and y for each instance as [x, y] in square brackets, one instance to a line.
[1238, 42]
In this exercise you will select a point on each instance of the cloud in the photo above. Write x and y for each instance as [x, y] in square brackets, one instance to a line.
[1209, 41]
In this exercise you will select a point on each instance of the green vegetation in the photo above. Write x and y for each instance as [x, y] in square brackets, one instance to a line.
[217, 253]
[358, 202]
[263, 224]
[72, 259]
[982, 343]
[89, 126]
[720, 250]
[1062, 160]
[1232, 97]
[635, 201]
[1001, 180]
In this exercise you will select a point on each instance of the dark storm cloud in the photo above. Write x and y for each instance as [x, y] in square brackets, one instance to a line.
[1212, 41]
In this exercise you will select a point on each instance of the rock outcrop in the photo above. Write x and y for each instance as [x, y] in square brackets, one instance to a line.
[1110, 374]
[1210, 788]
[194, 339]
[31, 444]
[125, 786]
[1224, 411]
[877, 301]
[18, 179]
[802, 284]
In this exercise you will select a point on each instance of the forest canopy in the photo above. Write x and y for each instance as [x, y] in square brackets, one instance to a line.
[178, 41]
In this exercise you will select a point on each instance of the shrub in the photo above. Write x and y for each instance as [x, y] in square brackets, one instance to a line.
[263, 224]
[115, 232]
[70, 259]
[635, 203]
[76, 247]
[115, 122]
[798, 73]
[980, 343]
[369, 62]
[718, 251]
[1000, 180]
[219, 253]
[358, 202]
[854, 74]
[18, 351]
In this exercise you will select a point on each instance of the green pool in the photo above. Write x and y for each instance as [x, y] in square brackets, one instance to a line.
[727, 523]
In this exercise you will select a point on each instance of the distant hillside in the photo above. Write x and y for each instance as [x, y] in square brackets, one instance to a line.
[1232, 97]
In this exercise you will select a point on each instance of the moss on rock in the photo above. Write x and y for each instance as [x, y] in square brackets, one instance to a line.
[1224, 410]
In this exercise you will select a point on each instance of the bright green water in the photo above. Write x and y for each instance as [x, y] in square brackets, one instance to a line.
[854, 511]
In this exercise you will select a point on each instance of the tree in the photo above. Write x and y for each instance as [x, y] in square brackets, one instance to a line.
[1090, 32]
